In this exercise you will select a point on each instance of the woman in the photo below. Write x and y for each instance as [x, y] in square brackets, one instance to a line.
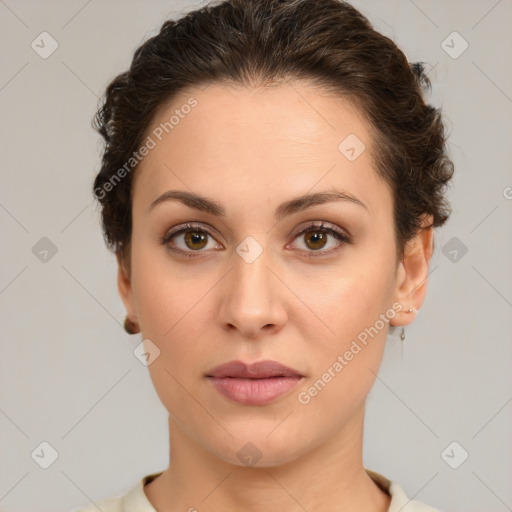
[270, 184]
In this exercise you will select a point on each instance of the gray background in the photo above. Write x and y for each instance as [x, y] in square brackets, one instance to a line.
[67, 372]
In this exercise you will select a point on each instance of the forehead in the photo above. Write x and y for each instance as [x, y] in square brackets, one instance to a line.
[280, 141]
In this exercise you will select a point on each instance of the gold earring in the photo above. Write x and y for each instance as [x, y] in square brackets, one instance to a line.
[131, 327]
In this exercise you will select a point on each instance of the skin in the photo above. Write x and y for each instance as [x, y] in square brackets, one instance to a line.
[251, 149]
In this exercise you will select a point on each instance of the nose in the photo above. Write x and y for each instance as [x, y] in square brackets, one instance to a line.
[253, 298]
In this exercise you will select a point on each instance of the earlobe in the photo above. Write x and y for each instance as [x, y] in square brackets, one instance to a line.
[412, 274]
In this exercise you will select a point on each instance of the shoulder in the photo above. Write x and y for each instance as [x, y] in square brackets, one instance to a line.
[404, 504]
[400, 502]
[135, 500]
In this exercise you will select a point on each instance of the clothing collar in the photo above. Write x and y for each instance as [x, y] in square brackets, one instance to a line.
[137, 501]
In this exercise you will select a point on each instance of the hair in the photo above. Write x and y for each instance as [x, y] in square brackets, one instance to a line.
[259, 43]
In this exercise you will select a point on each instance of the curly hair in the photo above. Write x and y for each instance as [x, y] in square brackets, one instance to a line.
[265, 42]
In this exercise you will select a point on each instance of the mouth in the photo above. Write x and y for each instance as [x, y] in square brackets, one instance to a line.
[256, 384]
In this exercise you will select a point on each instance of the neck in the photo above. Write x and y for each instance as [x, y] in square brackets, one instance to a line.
[330, 477]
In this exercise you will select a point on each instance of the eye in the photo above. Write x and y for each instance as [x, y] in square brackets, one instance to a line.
[191, 239]
[188, 239]
[316, 238]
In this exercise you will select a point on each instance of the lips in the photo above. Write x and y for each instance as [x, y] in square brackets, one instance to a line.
[256, 384]
[259, 370]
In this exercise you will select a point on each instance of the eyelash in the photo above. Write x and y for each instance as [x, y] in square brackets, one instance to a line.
[319, 228]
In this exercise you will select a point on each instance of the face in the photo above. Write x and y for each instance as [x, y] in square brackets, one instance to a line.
[251, 271]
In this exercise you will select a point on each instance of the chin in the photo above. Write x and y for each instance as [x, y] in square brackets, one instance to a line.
[260, 450]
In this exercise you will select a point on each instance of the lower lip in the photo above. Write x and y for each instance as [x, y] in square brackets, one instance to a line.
[254, 391]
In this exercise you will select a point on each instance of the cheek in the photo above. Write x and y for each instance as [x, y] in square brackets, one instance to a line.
[346, 348]
[171, 311]
[162, 297]
[347, 343]
[350, 297]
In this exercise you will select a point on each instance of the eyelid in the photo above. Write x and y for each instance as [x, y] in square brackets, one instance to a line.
[188, 226]
[321, 225]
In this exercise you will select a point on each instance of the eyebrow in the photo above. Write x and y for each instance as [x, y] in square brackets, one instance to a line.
[290, 207]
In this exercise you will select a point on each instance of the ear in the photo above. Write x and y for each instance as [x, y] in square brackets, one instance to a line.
[412, 272]
[124, 287]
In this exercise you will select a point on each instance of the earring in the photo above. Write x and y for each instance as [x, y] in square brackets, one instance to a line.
[131, 327]
[402, 334]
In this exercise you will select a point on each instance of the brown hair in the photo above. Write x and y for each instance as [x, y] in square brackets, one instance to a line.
[265, 42]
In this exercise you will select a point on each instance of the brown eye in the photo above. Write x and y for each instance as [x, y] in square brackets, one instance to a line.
[196, 239]
[315, 239]
[189, 240]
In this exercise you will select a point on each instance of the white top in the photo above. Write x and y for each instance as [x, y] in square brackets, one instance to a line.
[135, 500]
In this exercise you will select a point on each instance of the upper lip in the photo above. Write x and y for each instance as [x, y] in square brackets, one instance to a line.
[259, 370]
